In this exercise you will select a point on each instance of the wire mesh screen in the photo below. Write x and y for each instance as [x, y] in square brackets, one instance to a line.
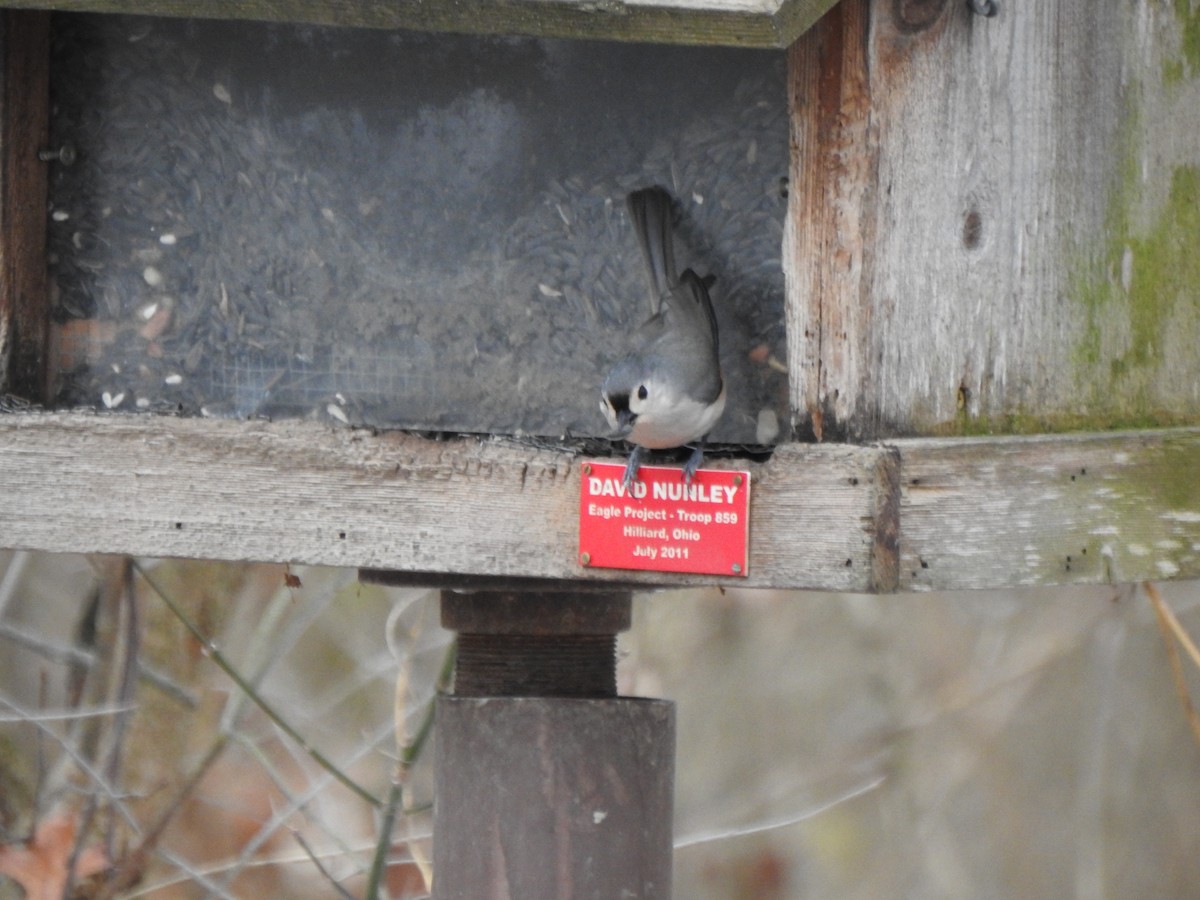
[397, 229]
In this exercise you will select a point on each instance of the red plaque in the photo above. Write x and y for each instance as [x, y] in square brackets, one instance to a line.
[663, 524]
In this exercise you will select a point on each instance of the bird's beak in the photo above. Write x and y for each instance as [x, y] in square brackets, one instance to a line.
[625, 421]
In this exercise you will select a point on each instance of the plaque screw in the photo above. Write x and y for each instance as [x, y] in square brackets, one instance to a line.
[737, 480]
[737, 568]
[64, 154]
[585, 558]
[587, 469]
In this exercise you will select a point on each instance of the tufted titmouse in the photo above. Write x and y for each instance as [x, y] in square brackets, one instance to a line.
[669, 391]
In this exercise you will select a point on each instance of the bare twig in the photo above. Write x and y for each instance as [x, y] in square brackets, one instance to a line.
[342, 892]
[295, 803]
[196, 875]
[1173, 622]
[65, 715]
[410, 752]
[201, 874]
[383, 846]
[125, 686]
[12, 577]
[130, 869]
[68, 653]
[96, 778]
[783, 821]
[1172, 631]
[225, 666]
[120, 693]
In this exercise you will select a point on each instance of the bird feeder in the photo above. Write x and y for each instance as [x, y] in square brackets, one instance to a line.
[275, 290]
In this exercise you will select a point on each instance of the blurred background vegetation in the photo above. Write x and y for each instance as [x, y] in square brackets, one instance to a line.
[990, 744]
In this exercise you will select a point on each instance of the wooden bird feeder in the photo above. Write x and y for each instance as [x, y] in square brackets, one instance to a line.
[344, 296]
[988, 319]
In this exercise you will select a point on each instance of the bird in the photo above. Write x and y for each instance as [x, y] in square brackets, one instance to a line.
[669, 391]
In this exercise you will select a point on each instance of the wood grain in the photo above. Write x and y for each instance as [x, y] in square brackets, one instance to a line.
[830, 223]
[520, 780]
[982, 513]
[298, 492]
[742, 23]
[24, 123]
[919, 514]
[989, 219]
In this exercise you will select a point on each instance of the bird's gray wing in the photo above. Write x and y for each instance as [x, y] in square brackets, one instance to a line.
[687, 342]
[692, 304]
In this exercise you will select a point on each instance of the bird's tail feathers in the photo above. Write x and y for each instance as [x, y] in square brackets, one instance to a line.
[651, 210]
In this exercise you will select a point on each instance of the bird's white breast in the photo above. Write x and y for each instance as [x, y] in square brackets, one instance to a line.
[676, 423]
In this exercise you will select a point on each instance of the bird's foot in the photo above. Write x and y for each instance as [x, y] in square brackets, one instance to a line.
[631, 467]
[693, 464]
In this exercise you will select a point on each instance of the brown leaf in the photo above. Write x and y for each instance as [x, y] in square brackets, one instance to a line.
[40, 865]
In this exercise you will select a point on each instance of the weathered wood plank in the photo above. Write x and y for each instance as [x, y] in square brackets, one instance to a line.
[742, 23]
[982, 513]
[24, 124]
[920, 514]
[994, 220]
[829, 224]
[300, 492]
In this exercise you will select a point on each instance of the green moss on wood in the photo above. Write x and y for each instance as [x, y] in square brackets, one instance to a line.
[1187, 14]
[1186, 62]
[1021, 422]
[1177, 486]
[1142, 283]
[1166, 270]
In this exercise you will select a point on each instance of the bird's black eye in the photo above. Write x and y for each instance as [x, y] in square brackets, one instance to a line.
[642, 392]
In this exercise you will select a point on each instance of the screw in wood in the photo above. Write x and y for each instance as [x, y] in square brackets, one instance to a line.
[585, 558]
[64, 154]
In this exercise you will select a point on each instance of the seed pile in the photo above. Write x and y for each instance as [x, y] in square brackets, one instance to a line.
[397, 229]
